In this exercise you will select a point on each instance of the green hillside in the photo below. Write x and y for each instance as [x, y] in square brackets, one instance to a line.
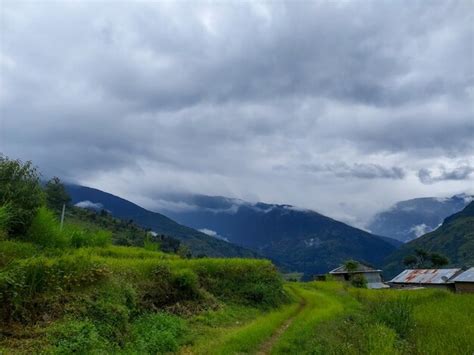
[454, 239]
[198, 243]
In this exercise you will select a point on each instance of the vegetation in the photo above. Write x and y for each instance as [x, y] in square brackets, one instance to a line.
[20, 194]
[71, 290]
[452, 244]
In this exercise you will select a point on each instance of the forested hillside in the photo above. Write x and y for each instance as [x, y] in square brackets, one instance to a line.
[454, 239]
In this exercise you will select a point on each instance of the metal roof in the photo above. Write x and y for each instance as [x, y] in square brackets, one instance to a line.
[426, 276]
[360, 268]
[466, 276]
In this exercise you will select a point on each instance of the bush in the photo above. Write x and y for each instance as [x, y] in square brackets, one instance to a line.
[19, 188]
[44, 230]
[5, 218]
[156, 334]
[84, 238]
[28, 287]
[75, 336]
[359, 281]
[253, 282]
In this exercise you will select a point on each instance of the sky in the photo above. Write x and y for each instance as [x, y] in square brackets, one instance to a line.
[344, 107]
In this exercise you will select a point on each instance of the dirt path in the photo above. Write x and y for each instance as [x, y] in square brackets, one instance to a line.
[267, 346]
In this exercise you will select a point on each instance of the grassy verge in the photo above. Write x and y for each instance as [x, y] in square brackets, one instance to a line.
[320, 304]
[245, 336]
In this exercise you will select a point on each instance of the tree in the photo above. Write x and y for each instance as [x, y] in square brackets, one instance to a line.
[20, 189]
[56, 194]
[351, 265]
[410, 261]
[421, 255]
[438, 260]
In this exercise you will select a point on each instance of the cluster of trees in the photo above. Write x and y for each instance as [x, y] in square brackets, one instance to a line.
[423, 259]
[21, 195]
[26, 204]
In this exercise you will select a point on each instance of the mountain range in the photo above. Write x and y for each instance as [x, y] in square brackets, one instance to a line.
[295, 239]
[199, 243]
[410, 219]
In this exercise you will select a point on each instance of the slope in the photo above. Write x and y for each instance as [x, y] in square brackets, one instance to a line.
[297, 239]
[408, 220]
[454, 239]
[199, 243]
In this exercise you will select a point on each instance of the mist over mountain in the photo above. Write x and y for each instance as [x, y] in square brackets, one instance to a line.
[199, 243]
[300, 239]
[454, 239]
[408, 220]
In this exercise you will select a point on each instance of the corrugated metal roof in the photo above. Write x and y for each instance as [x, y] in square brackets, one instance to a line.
[466, 276]
[360, 268]
[426, 276]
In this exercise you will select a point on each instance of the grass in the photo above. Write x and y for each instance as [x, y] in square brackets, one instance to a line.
[237, 337]
[320, 304]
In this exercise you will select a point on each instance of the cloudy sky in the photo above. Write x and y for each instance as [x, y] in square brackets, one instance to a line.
[340, 106]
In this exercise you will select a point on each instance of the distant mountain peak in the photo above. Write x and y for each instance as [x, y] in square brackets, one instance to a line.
[410, 219]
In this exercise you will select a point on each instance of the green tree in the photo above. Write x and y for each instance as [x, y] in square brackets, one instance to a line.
[56, 194]
[20, 189]
[351, 265]
[438, 260]
[410, 261]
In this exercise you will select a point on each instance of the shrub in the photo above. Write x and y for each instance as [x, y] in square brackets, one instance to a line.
[20, 188]
[44, 230]
[359, 281]
[253, 282]
[156, 333]
[85, 238]
[11, 250]
[75, 336]
[5, 218]
[28, 287]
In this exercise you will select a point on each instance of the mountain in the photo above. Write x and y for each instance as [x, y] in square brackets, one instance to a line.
[297, 239]
[408, 220]
[198, 242]
[454, 239]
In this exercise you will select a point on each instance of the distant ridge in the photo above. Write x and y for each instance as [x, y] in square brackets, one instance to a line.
[198, 242]
[454, 239]
[410, 219]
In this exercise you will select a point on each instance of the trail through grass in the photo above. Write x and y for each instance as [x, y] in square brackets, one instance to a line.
[282, 331]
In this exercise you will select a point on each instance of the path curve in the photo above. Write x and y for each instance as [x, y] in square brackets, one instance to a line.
[267, 346]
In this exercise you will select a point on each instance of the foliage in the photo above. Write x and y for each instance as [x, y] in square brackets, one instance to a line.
[5, 218]
[351, 265]
[155, 334]
[359, 281]
[453, 241]
[19, 189]
[44, 230]
[75, 336]
[56, 194]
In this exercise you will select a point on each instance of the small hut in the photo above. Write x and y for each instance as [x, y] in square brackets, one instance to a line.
[373, 276]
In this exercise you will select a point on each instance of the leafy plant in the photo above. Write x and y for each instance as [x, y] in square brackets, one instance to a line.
[20, 189]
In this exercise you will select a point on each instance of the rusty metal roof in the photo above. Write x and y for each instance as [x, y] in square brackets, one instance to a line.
[426, 276]
[466, 276]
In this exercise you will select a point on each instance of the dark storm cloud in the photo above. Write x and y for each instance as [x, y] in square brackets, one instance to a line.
[208, 97]
[361, 171]
[464, 172]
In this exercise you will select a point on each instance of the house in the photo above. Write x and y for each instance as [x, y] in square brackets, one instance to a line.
[432, 278]
[373, 276]
[464, 282]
